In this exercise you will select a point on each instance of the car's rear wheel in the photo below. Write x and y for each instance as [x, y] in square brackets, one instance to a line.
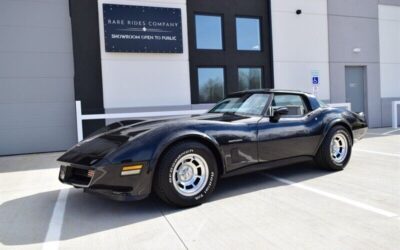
[335, 151]
[186, 175]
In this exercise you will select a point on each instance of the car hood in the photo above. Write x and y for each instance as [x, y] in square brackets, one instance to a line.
[94, 148]
[145, 125]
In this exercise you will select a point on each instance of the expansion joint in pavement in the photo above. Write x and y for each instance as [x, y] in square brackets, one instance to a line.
[172, 227]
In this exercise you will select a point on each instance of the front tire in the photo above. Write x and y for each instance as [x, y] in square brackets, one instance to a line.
[187, 174]
[335, 151]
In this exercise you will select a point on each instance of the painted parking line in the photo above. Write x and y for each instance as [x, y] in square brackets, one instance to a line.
[52, 240]
[392, 131]
[377, 152]
[371, 133]
[335, 197]
[379, 134]
[384, 133]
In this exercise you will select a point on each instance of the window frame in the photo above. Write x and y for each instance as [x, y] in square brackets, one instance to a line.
[221, 16]
[230, 58]
[260, 20]
[303, 98]
[249, 67]
[198, 83]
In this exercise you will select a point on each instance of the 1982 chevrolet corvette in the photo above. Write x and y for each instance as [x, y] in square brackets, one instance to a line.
[182, 158]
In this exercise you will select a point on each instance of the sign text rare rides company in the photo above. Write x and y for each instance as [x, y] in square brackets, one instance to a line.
[130, 28]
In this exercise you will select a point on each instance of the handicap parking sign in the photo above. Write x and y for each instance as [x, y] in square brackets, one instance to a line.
[315, 80]
[315, 77]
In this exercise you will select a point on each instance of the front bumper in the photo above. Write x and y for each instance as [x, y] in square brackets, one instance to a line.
[108, 180]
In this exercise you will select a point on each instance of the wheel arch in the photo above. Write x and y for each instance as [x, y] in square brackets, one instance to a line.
[334, 123]
[204, 139]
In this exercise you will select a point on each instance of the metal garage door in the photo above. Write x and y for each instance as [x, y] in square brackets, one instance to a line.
[36, 77]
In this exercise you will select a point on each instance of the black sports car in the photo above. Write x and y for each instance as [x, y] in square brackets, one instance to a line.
[182, 158]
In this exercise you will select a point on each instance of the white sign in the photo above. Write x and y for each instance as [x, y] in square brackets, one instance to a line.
[315, 81]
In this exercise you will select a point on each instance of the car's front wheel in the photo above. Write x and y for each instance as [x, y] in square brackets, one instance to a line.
[187, 174]
[335, 151]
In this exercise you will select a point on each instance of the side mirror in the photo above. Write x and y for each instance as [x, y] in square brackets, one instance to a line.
[277, 112]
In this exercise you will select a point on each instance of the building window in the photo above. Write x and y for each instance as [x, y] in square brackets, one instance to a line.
[211, 84]
[248, 34]
[208, 32]
[250, 78]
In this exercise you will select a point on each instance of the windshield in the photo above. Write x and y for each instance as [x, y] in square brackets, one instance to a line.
[253, 104]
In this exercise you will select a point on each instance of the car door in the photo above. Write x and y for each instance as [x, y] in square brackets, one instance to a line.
[293, 134]
[239, 144]
[236, 132]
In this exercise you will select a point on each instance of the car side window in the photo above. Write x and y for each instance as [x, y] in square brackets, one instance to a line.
[294, 103]
[254, 104]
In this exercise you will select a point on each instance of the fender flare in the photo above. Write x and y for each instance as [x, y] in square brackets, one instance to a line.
[330, 125]
[188, 134]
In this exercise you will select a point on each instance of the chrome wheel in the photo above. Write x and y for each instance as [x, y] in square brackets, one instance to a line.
[339, 147]
[190, 174]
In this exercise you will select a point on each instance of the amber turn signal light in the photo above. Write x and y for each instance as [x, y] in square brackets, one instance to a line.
[131, 170]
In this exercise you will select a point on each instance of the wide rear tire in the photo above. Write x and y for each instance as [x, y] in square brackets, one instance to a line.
[186, 175]
[335, 151]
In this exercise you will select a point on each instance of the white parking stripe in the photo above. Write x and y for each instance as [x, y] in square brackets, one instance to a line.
[54, 231]
[377, 152]
[392, 131]
[370, 133]
[335, 197]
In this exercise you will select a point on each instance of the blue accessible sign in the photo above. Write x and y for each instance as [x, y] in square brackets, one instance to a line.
[315, 77]
[315, 80]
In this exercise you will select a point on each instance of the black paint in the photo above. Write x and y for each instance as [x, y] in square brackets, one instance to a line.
[87, 63]
[239, 142]
[129, 28]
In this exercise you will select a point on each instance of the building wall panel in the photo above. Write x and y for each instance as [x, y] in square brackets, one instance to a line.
[353, 24]
[300, 45]
[36, 77]
[145, 79]
[389, 39]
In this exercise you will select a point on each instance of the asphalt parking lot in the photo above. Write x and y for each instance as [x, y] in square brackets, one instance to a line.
[296, 207]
